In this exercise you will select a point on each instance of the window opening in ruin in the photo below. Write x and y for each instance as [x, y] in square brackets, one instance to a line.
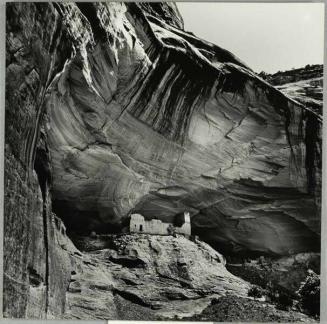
[141, 228]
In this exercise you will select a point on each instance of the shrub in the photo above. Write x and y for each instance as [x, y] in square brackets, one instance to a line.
[278, 296]
[255, 292]
[309, 293]
[215, 301]
[284, 301]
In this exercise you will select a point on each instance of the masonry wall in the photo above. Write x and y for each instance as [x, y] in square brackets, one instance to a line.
[155, 226]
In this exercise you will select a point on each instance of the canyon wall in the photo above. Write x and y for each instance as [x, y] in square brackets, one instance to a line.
[35, 266]
[148, 118]
[113, 108]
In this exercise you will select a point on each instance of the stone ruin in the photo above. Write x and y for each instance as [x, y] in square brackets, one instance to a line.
[155, 226]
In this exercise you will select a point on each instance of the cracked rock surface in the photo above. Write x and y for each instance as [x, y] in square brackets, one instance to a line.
[161, 276]
[113, 108]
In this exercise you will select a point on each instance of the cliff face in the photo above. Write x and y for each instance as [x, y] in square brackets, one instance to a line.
[35, 267]
[147, 117]
[307, 89]
[113, 108]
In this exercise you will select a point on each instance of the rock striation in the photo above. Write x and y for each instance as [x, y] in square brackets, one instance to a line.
[33, 57]
[156, 276]
[113, 108]
[146, 117]
[307, 88]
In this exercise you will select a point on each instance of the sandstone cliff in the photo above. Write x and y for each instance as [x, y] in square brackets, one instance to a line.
[113, 108]
[146, 117]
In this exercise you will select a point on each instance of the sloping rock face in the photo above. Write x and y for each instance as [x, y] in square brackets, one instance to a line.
[113, 108]
[156, 276]
[309, 92]
[146, 117]
[291, 76]
[305, 85]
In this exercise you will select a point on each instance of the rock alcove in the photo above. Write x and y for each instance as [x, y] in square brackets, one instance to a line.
[113, 108]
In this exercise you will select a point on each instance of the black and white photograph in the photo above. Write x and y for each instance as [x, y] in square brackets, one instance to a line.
[163, 161]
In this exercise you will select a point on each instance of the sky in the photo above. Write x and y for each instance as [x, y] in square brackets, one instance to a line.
[266, 36]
